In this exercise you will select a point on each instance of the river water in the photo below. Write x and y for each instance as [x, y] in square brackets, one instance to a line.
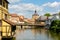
[36, 34]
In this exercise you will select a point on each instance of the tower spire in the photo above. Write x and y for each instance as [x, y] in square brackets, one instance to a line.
[35, 11]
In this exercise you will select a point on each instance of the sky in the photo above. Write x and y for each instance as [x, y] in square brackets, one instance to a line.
[27, 7]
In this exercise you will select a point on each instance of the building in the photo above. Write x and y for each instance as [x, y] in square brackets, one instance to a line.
[42, 20]
[21, 18]
[35, 16]
[26, 20]
[14, 18]
[7, 28]
[53, 17]
[56, 17]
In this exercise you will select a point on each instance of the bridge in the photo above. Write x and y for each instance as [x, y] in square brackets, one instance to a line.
[47, 23]
[30, 24]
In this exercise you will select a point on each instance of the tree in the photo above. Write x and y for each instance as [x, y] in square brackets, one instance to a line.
[55, 25]
[47, 14]
[59, 14]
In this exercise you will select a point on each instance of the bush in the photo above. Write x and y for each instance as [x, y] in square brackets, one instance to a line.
[55, 26]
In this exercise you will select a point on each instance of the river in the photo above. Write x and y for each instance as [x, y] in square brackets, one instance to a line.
[36, 34]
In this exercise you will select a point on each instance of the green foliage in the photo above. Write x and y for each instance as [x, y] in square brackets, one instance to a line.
[47, 14]
[55, 25]
[59, 13]
[13, 38]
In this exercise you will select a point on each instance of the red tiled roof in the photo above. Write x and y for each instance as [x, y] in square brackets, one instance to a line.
[21, 18]
[14, 15]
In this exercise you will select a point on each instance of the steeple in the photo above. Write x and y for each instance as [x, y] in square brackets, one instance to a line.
[35, 13]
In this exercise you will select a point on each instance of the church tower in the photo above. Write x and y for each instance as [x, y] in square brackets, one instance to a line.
[35, 16]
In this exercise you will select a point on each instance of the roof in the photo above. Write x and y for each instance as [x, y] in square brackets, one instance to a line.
[14, 15]
[21, 18]
[35, 14]
[55, 14]
[9, 22]
[6, 1]
[42, 18]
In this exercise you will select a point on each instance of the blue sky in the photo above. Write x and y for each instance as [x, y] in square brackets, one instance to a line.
[27, 7]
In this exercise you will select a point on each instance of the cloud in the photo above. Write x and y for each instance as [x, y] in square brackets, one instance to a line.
[24, 8]
[52, 8]
[14, 1]
[54, 4]
[27, 9]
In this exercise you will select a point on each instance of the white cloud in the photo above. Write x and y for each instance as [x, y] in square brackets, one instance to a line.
[27, 9]
[46, 4]
[54, 4]
[14, 1]
[24, 7]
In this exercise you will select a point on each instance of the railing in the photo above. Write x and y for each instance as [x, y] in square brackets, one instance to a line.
[30, 24]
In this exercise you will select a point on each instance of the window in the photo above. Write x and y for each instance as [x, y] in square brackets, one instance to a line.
[0, 23]
[6, 5]
[3, 4]
[0, 2]
[5, 16]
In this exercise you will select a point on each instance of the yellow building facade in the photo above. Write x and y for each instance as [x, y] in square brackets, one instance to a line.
[6, 27]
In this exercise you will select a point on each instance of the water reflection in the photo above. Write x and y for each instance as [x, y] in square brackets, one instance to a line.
[36, 34]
